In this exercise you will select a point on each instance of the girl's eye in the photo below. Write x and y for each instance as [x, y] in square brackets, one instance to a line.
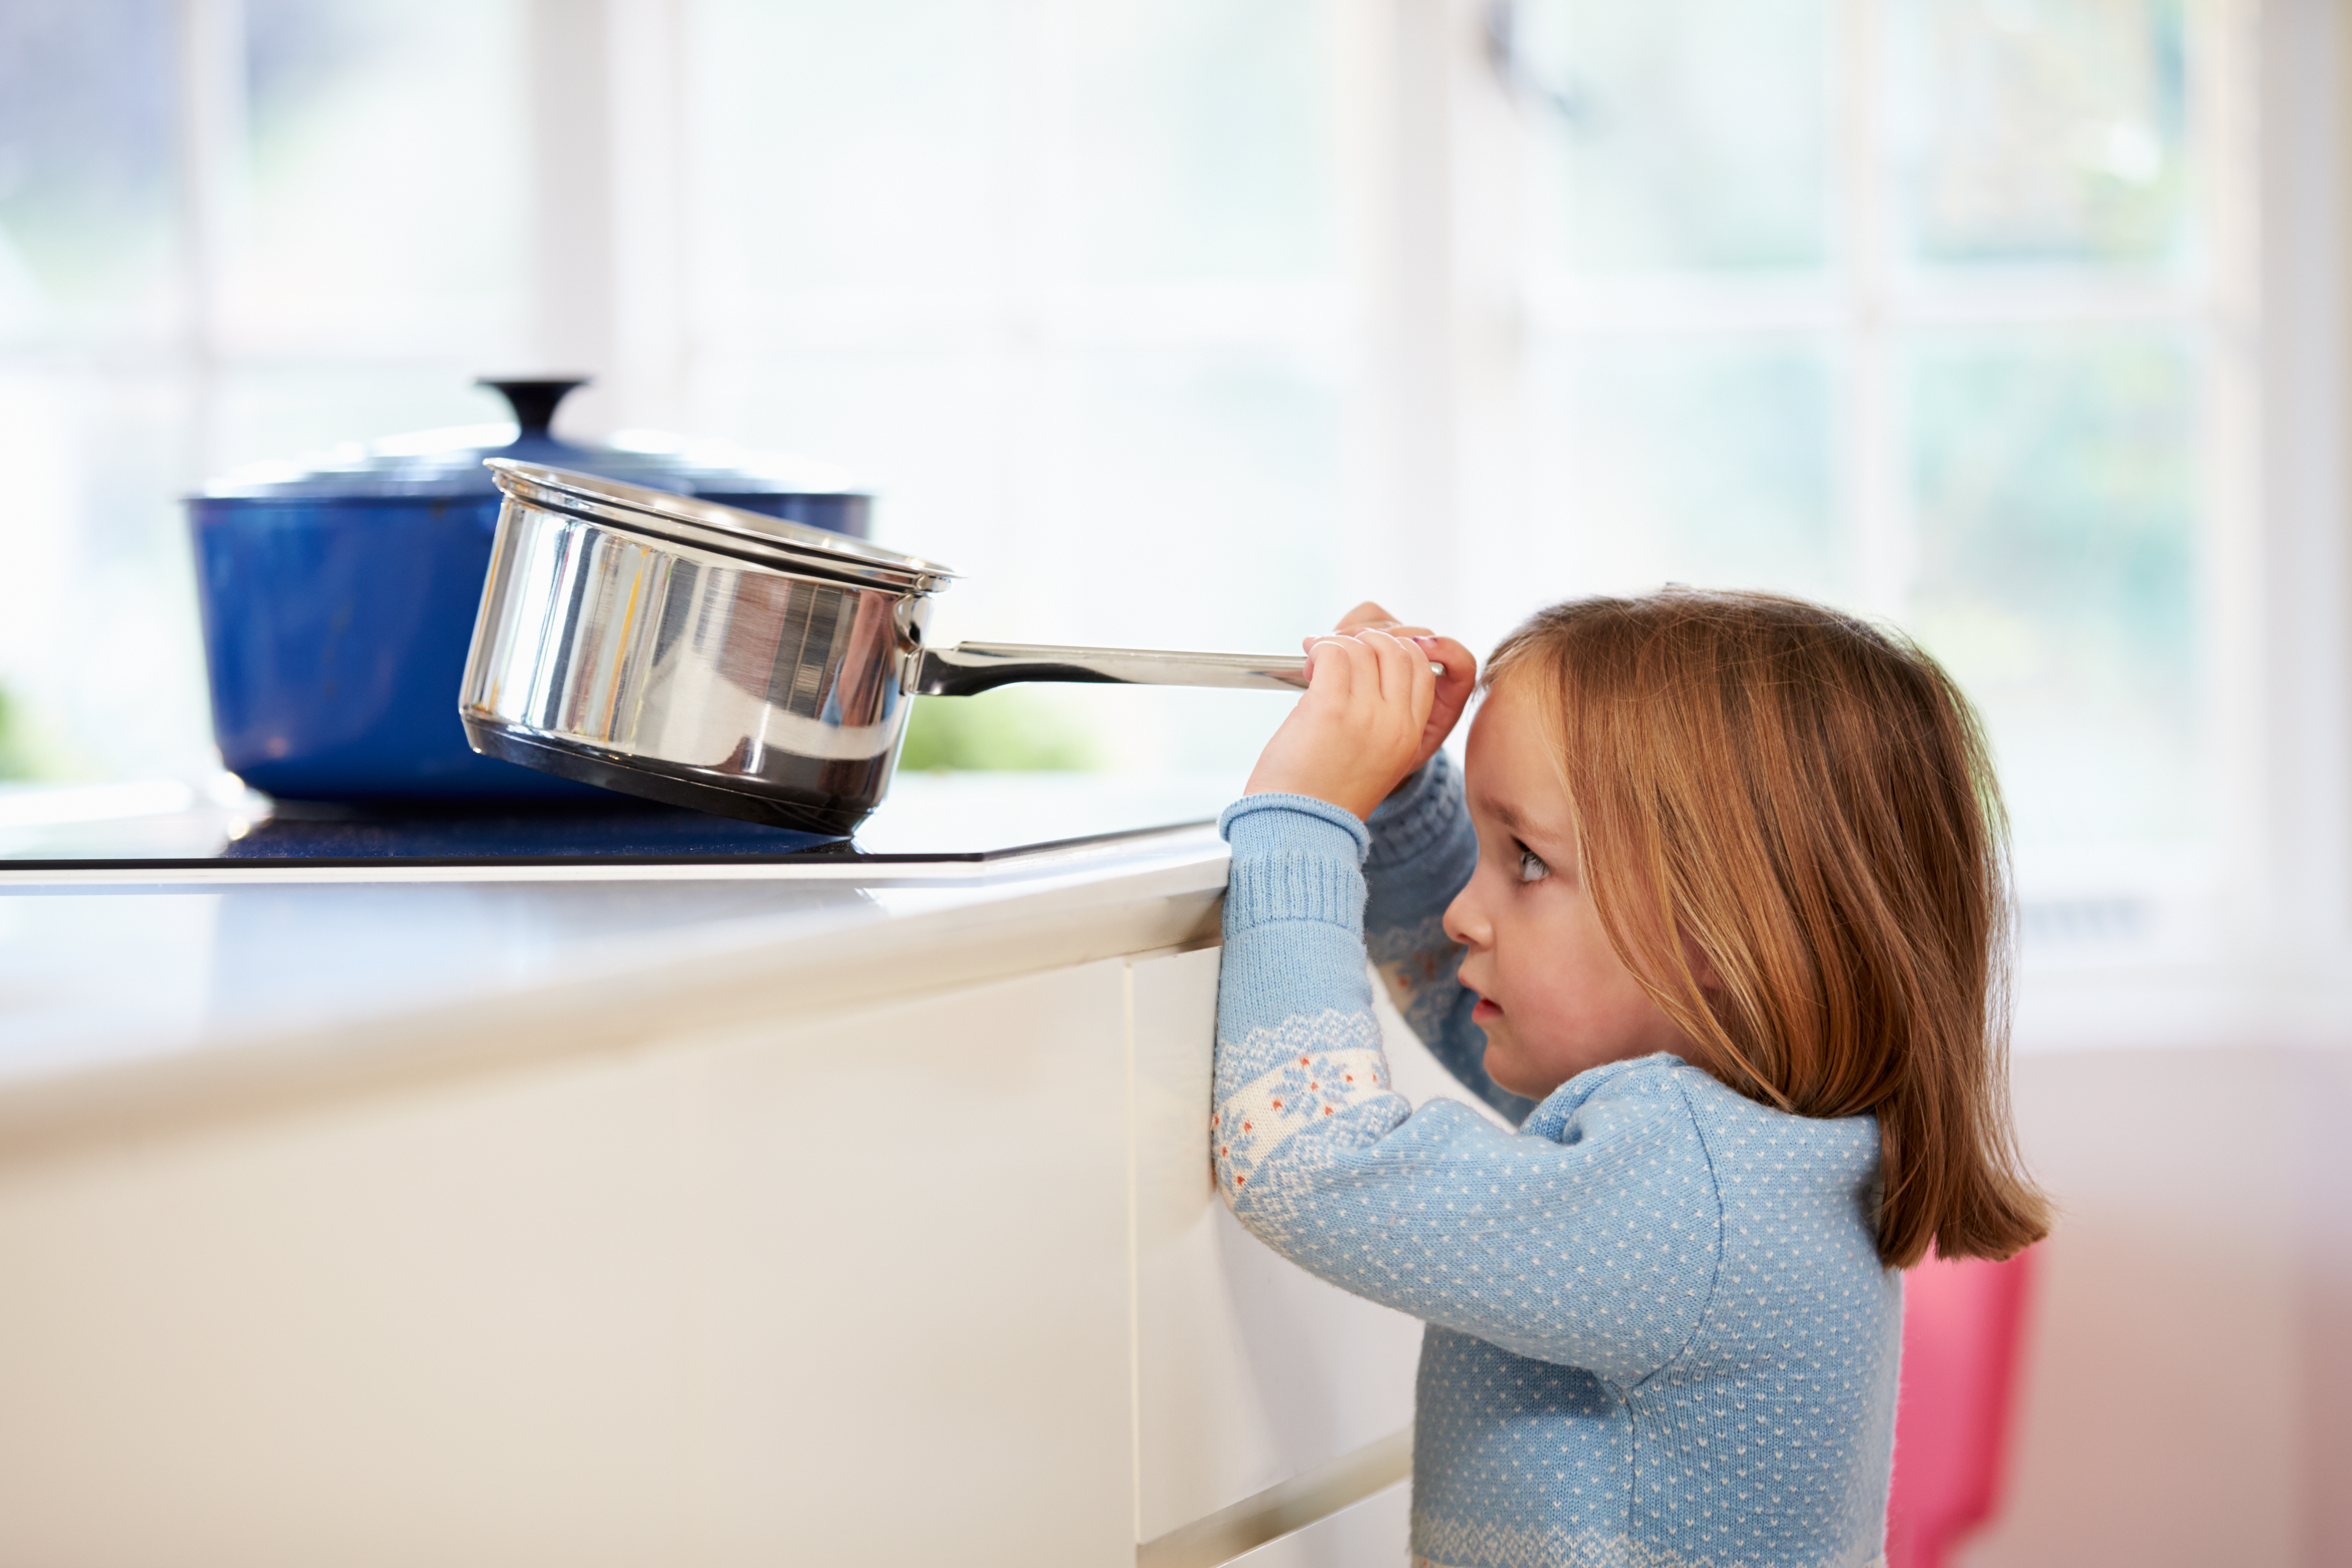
[1531, 865]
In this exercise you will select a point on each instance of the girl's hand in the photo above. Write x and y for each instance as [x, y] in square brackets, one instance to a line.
[1360, 728]
[1453, 687]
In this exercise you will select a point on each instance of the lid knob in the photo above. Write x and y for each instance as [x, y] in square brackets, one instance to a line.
[534, 400]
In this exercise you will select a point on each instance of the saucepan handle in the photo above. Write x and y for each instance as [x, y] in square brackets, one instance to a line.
[974, 666]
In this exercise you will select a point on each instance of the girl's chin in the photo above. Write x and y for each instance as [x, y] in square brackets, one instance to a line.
[1498, 1067]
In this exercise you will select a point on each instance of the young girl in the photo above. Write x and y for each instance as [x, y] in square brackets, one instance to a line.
[1716, 921]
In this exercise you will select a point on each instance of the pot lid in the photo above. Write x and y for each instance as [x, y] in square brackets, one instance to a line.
[686, 519]
[447, 464]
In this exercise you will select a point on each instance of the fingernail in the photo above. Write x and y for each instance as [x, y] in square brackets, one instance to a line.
[1425, 642]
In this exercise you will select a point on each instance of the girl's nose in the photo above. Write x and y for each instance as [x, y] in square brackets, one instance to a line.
[1464, 921]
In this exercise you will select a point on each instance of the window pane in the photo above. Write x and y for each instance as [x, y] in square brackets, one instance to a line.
[99, 659]
[86, 103]
[1682, 134]
[2056, 495]
[849, 145]
[1205, 138]
[269, 408]
[1694, 461]
[1184, 466]
[1101, 498]
[99, 672]
[2039, 130]
[1201, 509]
[388, 167]
[935, 433]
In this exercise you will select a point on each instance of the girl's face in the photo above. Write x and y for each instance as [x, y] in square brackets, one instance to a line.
[1553, 997]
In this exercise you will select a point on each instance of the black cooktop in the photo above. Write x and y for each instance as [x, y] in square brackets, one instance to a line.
[958, 818]
[312, 831]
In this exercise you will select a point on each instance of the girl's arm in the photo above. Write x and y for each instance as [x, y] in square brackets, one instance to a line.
[1589, 1239]
[1422, 852]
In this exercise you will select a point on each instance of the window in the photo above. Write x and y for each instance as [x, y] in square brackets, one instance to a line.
[1192, 321]
[228, 232]
[1916, 306]
[1070, 284]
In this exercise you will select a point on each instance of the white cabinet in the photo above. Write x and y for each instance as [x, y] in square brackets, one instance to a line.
[1368, 1534]
[931, 1280]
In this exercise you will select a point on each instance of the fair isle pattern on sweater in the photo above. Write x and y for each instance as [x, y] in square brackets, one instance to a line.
[1659, 1336]
[1324, 1065]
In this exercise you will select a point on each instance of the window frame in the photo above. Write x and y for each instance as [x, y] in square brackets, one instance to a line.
[2263, 123]
[1434, 307]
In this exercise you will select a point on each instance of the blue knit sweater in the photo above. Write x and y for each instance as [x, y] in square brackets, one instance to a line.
[1658, 1331]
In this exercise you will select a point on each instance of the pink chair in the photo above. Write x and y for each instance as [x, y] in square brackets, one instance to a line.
[1963, 1329]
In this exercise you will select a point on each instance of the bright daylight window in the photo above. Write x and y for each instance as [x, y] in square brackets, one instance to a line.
[1912, 305]
[228, 232]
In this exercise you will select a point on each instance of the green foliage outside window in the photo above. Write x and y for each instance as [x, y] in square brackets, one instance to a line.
[1011, 730]
[17, 760]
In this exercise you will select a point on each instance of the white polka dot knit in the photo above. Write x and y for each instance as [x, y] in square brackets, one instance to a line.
[1658, 1331]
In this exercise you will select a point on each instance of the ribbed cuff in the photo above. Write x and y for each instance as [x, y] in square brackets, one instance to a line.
[1294, 858]
[1418, 813]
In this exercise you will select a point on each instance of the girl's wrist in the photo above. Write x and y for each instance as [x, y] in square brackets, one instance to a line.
[1271, 824]
[1358, 796]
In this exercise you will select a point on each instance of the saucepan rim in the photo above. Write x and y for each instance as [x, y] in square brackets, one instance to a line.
[751, 536]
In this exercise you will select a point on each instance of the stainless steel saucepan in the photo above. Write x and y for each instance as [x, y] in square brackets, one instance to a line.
[711, 657]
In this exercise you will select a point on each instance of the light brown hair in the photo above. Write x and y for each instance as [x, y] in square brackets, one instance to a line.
[1805, 802]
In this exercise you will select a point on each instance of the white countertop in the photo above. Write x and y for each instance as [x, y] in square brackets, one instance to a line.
[134, 994]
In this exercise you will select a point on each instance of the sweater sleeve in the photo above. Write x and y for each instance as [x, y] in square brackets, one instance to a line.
[1588, 1239]
[1422, 852]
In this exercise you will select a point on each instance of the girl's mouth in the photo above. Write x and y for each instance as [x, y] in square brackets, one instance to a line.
[1485, 1012]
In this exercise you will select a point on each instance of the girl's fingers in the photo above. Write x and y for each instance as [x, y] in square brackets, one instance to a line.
[1404, 634]
[1406, 685]
[1319, 669]
[1345, 653]
[1461, 664]
[1334, 666]
[1420, 651]
[1451, 693]
[1393, 658]
[1371, 677]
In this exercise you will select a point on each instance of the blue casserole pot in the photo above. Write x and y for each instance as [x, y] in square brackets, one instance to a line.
[339, 600]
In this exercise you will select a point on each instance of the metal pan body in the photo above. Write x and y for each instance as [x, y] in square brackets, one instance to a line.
[679, 673]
